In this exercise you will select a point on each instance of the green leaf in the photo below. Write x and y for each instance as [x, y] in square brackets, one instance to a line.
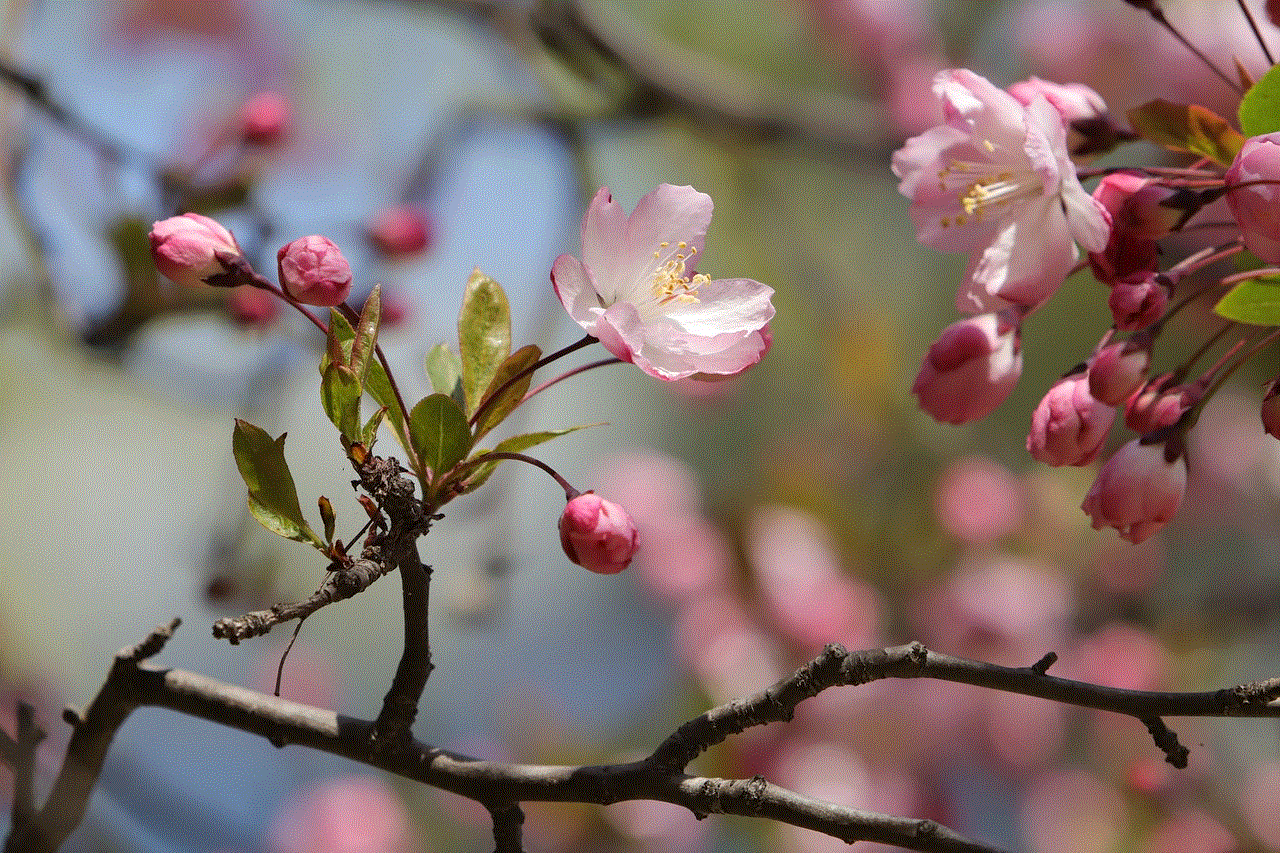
[340, 397]
[440, 433]
[484, 335]
[1254, 302]
[1189, 128]
[376, 383]
[1260, 106]
[366, 332]
[444, 369]
[369, 434]
[515, 444]
[273, 499]
[495, 411]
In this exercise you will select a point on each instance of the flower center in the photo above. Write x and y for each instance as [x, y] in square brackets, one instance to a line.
[671, 282]
[982, 190]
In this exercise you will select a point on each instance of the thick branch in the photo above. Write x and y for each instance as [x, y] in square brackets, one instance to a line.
[503, 786]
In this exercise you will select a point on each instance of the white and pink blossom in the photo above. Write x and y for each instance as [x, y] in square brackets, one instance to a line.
[996, 181]
[636, 289]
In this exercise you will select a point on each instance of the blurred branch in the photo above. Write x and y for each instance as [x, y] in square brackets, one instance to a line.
[502, 787]
[588, 36]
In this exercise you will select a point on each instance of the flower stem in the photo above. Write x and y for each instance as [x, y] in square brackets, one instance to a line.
[587, 340]
[583, 369]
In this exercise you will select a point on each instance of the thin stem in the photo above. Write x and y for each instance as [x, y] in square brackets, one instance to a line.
[493, 398]
[569, 491]
[1158, 15]
[1257, 34]
[583, 369]
[1194, 414]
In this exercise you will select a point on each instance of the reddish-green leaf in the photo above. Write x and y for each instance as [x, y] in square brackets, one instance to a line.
[366, 332]
[495, 410]
[340, 397]
[273, 498]
[477, 476]
[1187, 127]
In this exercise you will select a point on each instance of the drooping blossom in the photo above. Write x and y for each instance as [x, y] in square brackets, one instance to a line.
[970, 369]
[1138, 219]
[1160, 403]
[1070, 424]
[636, 290]
[996, 181]
[1138, 490]
[1073, 101]
[191, 249]
[314, 272]
[1138, 300]
[597, 534]
[1253, 184]
[1118, 370]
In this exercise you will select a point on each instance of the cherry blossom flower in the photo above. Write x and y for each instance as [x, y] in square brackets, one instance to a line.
[635, 289]
[996, 180]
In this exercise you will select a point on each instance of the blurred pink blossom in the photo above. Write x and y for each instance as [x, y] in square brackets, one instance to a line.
[1259, 797]
[809, 596]
[1072, 811]
[401, 231]
[1138, 490]
[1190, 830]
[724, 647]
[265, 118]
[357, 814]
[979, 500]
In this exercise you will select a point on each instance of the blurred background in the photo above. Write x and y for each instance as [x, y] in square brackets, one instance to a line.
[804, 502]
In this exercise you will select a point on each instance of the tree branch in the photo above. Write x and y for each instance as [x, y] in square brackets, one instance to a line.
[502, 787]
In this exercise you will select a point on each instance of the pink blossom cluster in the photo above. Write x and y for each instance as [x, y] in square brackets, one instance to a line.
[997, 180]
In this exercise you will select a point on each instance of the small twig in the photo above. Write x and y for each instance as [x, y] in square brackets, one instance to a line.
[20, 755]
[340, 585]
[508, 828]
[1174, 752]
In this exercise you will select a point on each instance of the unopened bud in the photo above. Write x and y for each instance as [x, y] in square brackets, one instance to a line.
[264, 118]
[191, 249]
[313, 271]
[597, 534]
[401, 231]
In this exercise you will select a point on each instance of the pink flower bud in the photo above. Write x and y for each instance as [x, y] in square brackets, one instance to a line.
[1138, 490]
[1159, 404]
[1073, 101]
[597, 534]
[1254, 195]
[1138, 300]
[314, 272]
[1069, 425]
[1118, 370]
[970, 369]
[264, 118]
[401, 231]
[1271, 409]
[191, 249]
